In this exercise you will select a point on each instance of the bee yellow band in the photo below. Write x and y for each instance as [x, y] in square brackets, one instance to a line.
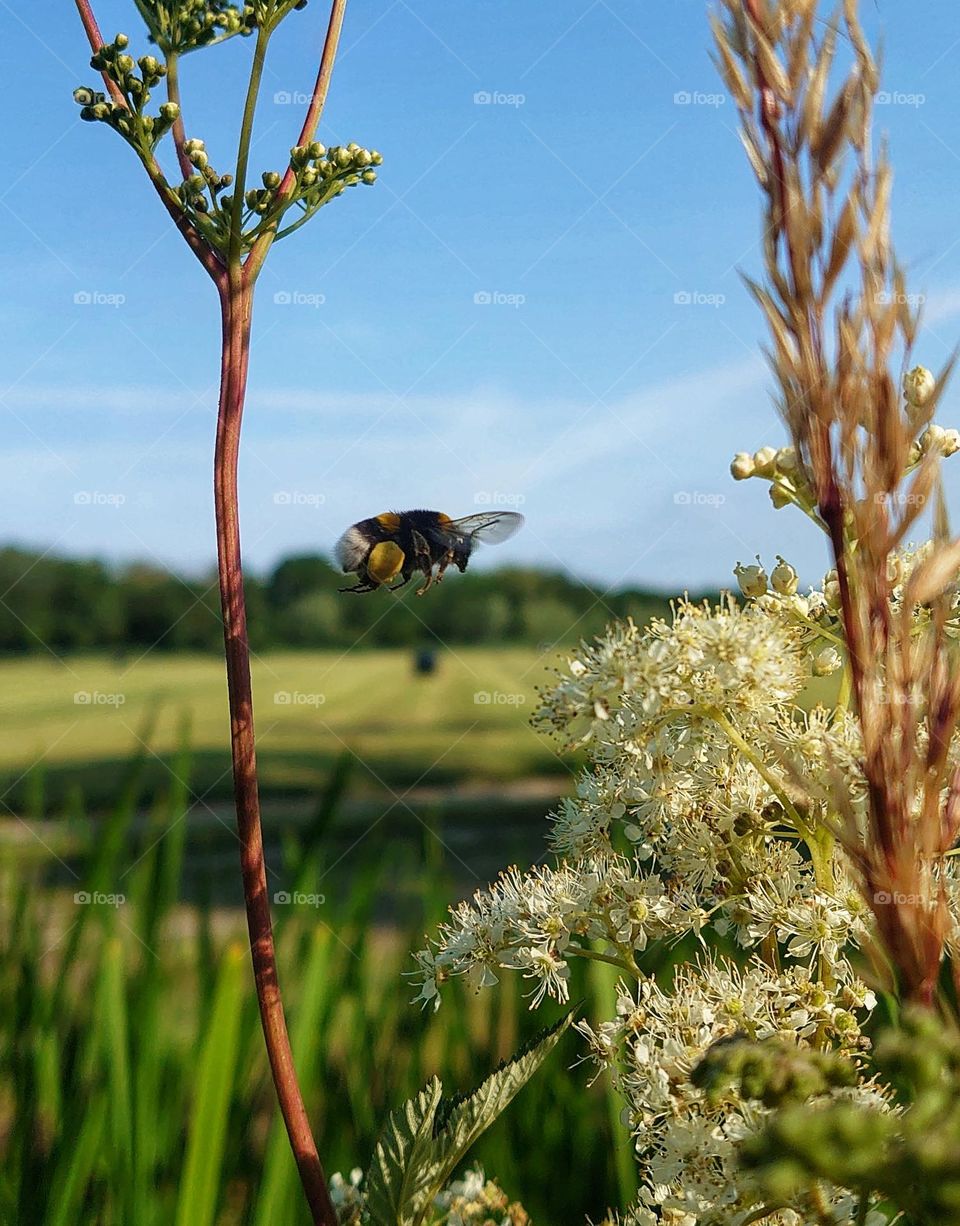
[385, 562]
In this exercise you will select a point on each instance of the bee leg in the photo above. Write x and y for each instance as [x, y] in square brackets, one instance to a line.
[421, 591]
[362, 586]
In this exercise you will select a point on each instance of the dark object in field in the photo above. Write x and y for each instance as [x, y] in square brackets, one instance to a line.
[401, 543]
[425, 662]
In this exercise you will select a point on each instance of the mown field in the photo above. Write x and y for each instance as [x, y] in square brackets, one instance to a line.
[74, 722]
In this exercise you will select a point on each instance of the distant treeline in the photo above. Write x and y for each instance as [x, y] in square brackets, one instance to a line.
[66, 604]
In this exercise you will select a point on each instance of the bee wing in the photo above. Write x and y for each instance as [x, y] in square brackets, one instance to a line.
[488, 527]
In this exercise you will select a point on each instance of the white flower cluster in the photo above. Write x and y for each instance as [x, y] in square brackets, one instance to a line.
[472, 1200]
[688, 1145]
[693, 817]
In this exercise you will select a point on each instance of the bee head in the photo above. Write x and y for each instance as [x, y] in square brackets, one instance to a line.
[385, 562]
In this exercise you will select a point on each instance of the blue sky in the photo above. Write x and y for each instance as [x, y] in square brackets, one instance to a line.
[579, 198]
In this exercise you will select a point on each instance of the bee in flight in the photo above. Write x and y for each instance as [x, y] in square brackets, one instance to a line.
[399, 544]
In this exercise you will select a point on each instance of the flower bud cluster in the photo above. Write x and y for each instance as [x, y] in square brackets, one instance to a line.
[318, 176]
[198, 193]
[854, 1142]
[814, 615]
[134, 79]
[321, 174]
[179, 26]
[782, 468]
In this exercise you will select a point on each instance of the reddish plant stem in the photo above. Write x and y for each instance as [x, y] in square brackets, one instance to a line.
[236, 306]
[235, 287]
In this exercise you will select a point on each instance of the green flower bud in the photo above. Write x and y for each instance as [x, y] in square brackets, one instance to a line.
[86, 113]
[826, 662]
[752, 579]
[251, 198]
[101, 110]
[299, 154]
[169, 111]
[121, 41]
[224, 180]
[919, 386]
[376, 158]
[83, 96]
[787, 462]
[932, 439]
[741, 466]
[361, 157]
[343, 157]
[783, 578]
[270, 179]
[193, 145]
[779, 496]
[316, 150]
[951, 442]
[149, 65]
[369, 176]
[125, 63]
[309, 176]
[198, 158]
[764, 462]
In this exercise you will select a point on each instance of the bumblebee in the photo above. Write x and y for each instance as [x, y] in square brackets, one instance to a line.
[400, 544]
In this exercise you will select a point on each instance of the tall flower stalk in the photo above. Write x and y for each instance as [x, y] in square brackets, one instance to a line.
[230, 227]
[865, 458]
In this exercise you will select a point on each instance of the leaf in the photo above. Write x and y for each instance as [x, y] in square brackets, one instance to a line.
[424, 1140]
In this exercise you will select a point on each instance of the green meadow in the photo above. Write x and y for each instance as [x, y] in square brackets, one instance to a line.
[75, 721]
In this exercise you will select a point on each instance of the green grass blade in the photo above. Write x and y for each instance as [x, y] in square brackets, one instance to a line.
[72, 1178]
[280, 1181]
[213, 1091]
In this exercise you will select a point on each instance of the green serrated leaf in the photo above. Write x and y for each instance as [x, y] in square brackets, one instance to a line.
[424, 1141]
